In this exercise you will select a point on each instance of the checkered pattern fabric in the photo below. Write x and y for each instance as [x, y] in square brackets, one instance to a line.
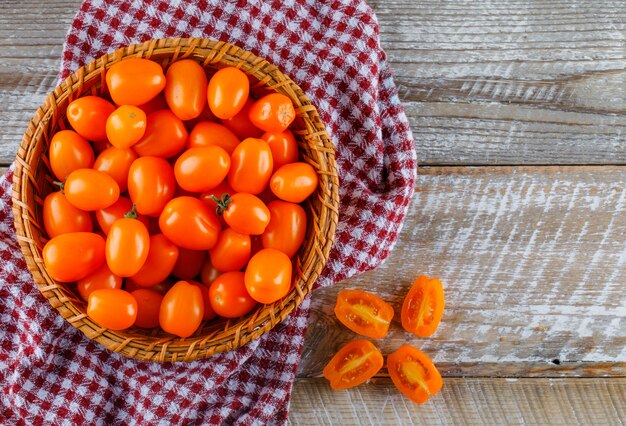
[51, 373]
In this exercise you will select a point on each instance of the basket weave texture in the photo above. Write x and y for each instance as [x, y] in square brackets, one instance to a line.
[33, 181]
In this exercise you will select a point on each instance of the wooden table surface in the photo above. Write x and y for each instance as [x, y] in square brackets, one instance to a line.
[519, 114]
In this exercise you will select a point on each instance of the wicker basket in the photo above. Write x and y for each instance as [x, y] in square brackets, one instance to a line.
[32, 182]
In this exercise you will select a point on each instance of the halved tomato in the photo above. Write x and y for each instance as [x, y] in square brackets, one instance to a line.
[354, 364]
[423, 307]
[414, 374]
[364, 313]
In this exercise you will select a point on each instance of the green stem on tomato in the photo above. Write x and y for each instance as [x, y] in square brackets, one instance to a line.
[60, 184]
[132, 214]
[222, 203]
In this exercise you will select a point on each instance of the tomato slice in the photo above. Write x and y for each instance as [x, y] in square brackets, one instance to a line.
[364, 313]
[354, 364]
[414, 374]
[423, 307]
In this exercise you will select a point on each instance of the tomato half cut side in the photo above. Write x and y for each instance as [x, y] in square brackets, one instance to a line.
[414, 373]
[364, 313]
[423, 307]
[353, 365]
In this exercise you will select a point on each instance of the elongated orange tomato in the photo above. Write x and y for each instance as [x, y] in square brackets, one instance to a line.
[148, 307]
[241, 125]
[251, 166]
[89, 189]
[201, 169]
[61, 217]
[151, 184]
[106, 217]
[283, 146]
[207, 133]
[189, 263]
[364, 313]
[88, 116]
[227, 92]
[126, 126]
[69, 151]
[165, 135]
[268, 276]
[245, 213]
[423, 306]
[414, 374]
[354, 364]
[287, 227]
[135, 81]
[112, 308]
[162, 256]
[229, 297]
[189, 223]
[186, 88]
[127, 247]
[74, 256]
[272, 113]
[232, 251]
[116, 163]
[294, 182]
[182, 309]
[102, 278]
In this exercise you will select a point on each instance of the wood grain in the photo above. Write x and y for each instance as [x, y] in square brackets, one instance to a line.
[499, 82]
[533, 261]
[465, 401]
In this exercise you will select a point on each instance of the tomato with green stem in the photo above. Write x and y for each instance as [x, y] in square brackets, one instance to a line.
[354, 364]
[364, 313]
[106, 217]
[245, 213]
[127, 245]
[69, 151]
[414, 374]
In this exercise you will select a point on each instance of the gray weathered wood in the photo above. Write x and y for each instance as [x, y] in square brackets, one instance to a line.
[483, 83]
[465, 401]
[533, 261]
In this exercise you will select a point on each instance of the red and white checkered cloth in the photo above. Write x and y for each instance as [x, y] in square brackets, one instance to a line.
[50, 373]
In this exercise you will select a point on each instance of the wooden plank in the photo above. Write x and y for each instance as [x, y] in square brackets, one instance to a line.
[483, 83]
[464, 401]
[533, 261]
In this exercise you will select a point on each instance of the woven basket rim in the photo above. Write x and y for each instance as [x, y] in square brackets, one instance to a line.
[32, 176]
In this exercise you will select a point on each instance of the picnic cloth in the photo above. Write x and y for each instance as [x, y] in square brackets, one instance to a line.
[51, 373]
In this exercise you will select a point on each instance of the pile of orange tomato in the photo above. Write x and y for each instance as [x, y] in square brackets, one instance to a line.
[178, 197]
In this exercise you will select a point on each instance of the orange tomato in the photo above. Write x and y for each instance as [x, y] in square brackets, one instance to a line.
[201, 169]
[286, 229]
[241, 125]
[231, 252]
[101, 278]
[227, 92]
[353, 364]
[88, 116]
[189, 223]
[61, 217]
[162, 256]
[74, 256]
[161, 288]
[272, 113]
[207, 133]
[165, 135]
[189, 263]
[245, 213]
[414, 374]
[209, 313]
[283, 146]
[268, 276]
[148, 307]
[208, 273]
[127, 246]
[106, 217]
[112, 308]
[423, 307]
[182, 309]
[90, 190]
[116, 163]
[69, 151]
[126, 126]
[294, 182]
[186, 88]
[364, 313]
[251, 166]
[229, 297]
[135, 81]
[151, 184]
